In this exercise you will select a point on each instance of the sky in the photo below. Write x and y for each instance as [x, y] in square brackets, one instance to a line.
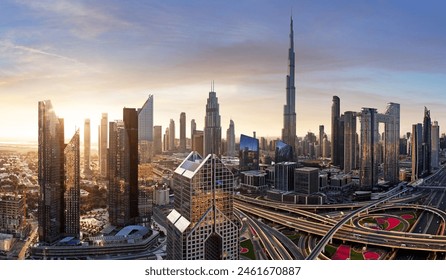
[90, 57]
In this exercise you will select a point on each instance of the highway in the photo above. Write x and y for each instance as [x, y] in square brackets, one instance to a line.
[348, 232]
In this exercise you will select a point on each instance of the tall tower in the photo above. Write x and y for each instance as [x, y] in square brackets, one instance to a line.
[416, 140]
[321, 139]
[230, 138]
[202, 224]
[103, 145]
[145, 120]
[50, 173]
[349, 141]
[145, 131]
[193, 129]
[435, 145]
[183, 132]
[171, 135]
[212, 125]
[123, 169]
[72, 187]
[157, 140]
[87, 147]
[427, 143]
[391, 142]
[369, 148]
[335, 118]
[289, 110]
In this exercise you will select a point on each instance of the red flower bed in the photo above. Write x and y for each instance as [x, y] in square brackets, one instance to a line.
[342, 253]
[371, 255]
[392, 223]
[243, 250]
[407, 216]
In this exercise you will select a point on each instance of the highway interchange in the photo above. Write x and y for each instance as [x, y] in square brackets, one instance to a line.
[324, 224]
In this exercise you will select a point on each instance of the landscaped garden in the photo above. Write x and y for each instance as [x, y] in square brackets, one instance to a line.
[347, 252]
[247, 249]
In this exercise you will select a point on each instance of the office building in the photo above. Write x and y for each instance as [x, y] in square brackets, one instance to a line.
[72, 187]
[103, 145]
[391, 119]
[123, 169]
[166, 140]
[417, 151]
[349, 141]
[306, 180]
[230, 139]
[183, 132]
[157, 140]
[193, 128]
[248, 153]
[289, 110]
[335, 131]
[50, 173]
[427, 143]
[198, 142]
[145, 204]
[283, 152]
[87, 146]
[369, 142]
[12, 214]
[212, 125]
[435, 138]
[145, 131]
[202, 224]
[145, 120]
[284, 176]
[172, 146]
[321, 140]
[373, 152]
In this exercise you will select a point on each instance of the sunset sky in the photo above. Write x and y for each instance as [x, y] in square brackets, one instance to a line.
[90, 57]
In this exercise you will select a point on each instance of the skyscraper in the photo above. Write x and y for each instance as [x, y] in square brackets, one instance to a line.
[157, 140]
[435, 145]
[123, 169]
[289, 111]
[321, 139]
[349, 141]
[391, 120]
[145, 131]
[50, 173]
[202, 224]
[145, 120]
[183, 132]
[427, 143]
[87, 144]
[193, 128]
[103, 145]
[72, 187]
[171, 135]
[335, 141]
[212, 125]
[369, 143]
[249, 153]
[166, 140]
[417, 151]
[130, 117]
[230, 138]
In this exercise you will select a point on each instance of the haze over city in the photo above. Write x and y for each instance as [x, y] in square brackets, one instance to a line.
[97, 57]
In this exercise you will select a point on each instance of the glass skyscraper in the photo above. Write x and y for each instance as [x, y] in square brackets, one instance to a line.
[202, 224]
[50, 173]
[72, 187]
[212, 126]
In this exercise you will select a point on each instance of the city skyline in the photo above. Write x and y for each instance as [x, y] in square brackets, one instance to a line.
[90, 59]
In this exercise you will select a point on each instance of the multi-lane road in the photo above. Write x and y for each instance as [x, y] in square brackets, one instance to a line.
[426, 239]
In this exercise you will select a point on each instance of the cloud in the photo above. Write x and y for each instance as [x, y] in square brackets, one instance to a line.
[86, 21]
